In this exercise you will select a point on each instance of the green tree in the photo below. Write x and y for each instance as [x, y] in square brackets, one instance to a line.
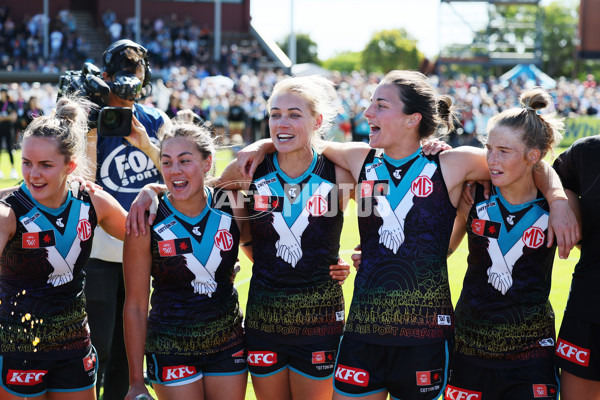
[559, 35]
[391, 49]
[306, 49]
[347, 61]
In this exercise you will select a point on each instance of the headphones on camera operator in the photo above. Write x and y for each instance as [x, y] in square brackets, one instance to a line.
[116, 121]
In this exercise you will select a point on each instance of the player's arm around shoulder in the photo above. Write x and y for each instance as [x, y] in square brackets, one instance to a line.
[349, 155]
[111, 215]
[8, 226]
[465, 163]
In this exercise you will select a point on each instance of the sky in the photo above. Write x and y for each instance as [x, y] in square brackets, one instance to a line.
[347, 25]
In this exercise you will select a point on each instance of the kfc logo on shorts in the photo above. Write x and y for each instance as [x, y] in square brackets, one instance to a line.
[177, 372]
[262, 358]
[454, 393]
[352, 376]
[24, 378]
[428, 378]
[570, 352]
[544, 391]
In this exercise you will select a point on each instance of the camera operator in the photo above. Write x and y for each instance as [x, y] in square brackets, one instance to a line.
[124, 166]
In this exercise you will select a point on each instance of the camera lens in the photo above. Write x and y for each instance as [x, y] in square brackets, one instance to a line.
[112, 119]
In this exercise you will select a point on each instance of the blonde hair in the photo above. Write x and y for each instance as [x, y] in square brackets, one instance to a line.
[318, 92]
[68, 125]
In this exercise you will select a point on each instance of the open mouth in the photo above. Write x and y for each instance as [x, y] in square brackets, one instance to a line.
[180, 184]
[495, 173]
[374, 129]
[282, 137]
[38, 185]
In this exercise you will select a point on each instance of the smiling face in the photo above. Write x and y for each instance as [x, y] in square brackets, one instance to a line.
[509, 160]
[291, 123]
[45, 170]
[183, 168]
[387, 119]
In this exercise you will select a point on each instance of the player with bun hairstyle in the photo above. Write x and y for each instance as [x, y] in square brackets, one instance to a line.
[505, 338]
[46, 233]
[399, 330]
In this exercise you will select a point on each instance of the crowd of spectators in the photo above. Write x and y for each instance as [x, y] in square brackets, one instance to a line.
[235, 105]
[21, 42]
[230, 95]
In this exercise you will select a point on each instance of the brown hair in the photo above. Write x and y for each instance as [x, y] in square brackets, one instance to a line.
[538, 131]
[420, 97]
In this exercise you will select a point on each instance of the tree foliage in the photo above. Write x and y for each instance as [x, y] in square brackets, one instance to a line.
[347, 61]
[559, 35]
[306, 48]
[391, 49]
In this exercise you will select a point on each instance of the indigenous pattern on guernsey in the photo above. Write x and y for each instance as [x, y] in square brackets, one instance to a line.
[296, 226]
[503, 313]
[123, 169]
[405, 217]
[42, 306]
[195, 307]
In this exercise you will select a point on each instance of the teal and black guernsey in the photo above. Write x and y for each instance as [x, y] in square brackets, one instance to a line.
[504, 316]
[42, 305]
[405, 217]
[296, 225]
[195, 307]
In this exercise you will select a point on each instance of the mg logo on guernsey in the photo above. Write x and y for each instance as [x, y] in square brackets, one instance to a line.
[223, 240]
[25, 378]
[533, 237]
[570, 352]
[177, 372]
[422, 186]
[316, 205]
[262, 358]
[353, 376]
[84, 230]
[454, 393]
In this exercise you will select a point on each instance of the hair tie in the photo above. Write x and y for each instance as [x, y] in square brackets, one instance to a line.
[529, 108]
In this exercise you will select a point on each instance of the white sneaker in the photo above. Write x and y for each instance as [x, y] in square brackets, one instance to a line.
[14, 174]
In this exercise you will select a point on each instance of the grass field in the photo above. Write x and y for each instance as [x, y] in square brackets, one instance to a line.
[350, 238]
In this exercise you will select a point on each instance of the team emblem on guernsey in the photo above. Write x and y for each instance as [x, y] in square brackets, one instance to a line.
[290, 223]
[202, 255]
[505, 248]
[394, 207]
[62, 250]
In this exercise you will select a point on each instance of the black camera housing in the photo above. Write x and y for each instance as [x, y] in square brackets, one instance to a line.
[115, 121]
[88, 83]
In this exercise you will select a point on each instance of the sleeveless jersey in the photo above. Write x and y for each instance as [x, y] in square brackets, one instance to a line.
[296, 226]
[42, 305]
[123, 170]
[503, 313]
[195, 307]
[405, 217]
